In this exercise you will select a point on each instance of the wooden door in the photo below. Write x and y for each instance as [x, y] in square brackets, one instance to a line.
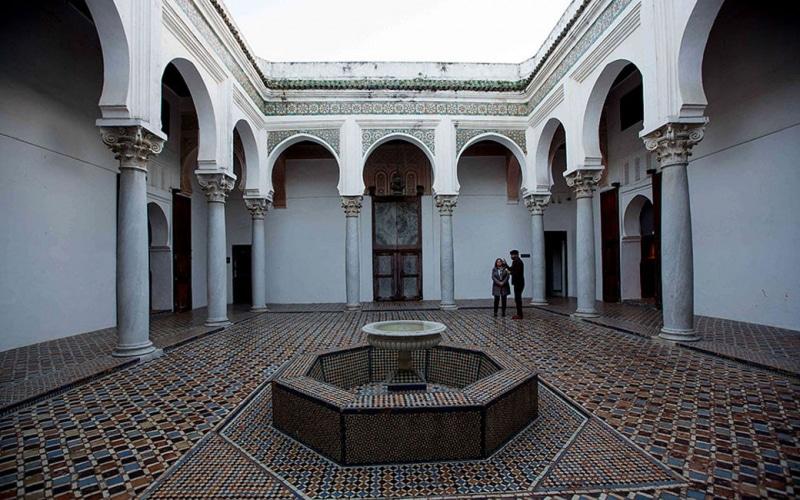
[397, 248]
[181, 251]
[242, 274]
[609, 225]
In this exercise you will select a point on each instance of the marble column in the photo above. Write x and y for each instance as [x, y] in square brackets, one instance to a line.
[446, 204]
[258, 208]
[216, 186]
[133, 147]
[536, 204]
[352, 263]
[672, 144]
[584, 183]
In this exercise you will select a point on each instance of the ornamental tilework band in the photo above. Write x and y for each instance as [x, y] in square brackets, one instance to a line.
[517, 136]
[327, 135]
[370, 136]
[393, 107]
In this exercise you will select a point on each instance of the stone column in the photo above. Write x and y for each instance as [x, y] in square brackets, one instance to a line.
[216, 186]
[673, 143]
[446, 204]
[258, 208]
[133, 147]
[536, 204]
[352, 263]
[584, 182]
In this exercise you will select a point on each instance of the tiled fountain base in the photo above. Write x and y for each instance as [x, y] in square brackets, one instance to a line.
[564, 451]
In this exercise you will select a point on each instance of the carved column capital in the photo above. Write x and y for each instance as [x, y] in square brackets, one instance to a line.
[351, 205]
[446, 203]
[216, 185]
[132, 146]
[257, 206]
[673, 142]
[583, 182]
[536, 203]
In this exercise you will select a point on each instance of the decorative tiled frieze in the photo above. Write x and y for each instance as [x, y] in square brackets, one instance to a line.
[372, 107]
[464, 135]
[370, 136]
[327, 135]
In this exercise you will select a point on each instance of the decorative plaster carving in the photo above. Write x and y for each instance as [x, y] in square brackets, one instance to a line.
[257, 206]
[548, 106]
[446, 203]
[370, 136]
[351, 205]
[621, 31]
[536, 203]
[132, 146]
[673, 142]
[392, 107]
[584, 182]
[216, 185]
[517, 136]
[327, 135]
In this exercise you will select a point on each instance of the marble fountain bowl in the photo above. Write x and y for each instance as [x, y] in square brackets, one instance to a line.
[405, 395]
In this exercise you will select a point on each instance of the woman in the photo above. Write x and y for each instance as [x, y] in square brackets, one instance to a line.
[500, 286]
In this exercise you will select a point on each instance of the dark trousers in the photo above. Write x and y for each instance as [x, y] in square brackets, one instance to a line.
[518, 298]
[497, 300]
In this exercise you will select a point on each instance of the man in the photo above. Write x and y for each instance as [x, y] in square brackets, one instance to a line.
[517, 281]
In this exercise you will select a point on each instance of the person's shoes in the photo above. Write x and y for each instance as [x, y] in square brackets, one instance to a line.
[504, 314]
[516, 317]
[495, 315]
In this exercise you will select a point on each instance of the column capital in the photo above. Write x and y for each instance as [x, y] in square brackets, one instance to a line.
[446, 203]
[673, 142]
[216, 185]
[583, 182]
[537, 202]
[258, 207]
[351, 205]
[132, 146]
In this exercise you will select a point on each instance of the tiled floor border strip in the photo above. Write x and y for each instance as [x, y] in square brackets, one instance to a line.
[56, 391]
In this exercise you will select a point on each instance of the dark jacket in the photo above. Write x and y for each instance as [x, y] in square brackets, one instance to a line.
[500, 286]
[517, 272]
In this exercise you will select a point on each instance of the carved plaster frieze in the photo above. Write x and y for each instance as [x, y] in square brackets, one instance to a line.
[370, 136]
[216, 185]
[327, 135]
[446, 203]
[517, 136]
[394, 107]
[132, 146]
[351, 205]
[537, 202]
[673, 142]
[584, 182]
[257, 207]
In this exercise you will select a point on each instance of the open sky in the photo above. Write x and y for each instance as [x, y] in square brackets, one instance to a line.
[408, 30]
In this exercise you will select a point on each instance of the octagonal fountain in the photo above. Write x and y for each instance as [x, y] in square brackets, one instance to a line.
[404, 396]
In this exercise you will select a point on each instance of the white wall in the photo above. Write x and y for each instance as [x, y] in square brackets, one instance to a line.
[744, 177]
[305, 241]
[57, 180]
[238, 229]
[486, 226]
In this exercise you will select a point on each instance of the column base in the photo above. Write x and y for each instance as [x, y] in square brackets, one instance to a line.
[679, 335]
[217, 322]
[448, 307]
[584, 314]
[130, 350]
[536, 302]
[259, 309]
[352, 307]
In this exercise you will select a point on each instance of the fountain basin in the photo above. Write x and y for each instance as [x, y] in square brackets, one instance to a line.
[404, 335]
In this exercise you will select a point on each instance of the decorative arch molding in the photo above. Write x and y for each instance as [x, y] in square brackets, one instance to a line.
[516, 136]
[370, 136]
[542, 156]
[252, 162]
[329, 136]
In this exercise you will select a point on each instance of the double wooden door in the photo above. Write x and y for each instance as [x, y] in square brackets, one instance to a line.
[396, 248]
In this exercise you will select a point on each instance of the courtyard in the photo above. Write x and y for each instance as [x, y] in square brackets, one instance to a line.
[621, 415]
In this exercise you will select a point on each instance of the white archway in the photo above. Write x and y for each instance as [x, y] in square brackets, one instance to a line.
[544, 176]
[631, 247]
[116, 58]
[160, 258]
[690, 57]
[402, 137]
[252, 161]
[512, 146]
[291, 141]
[630, 219]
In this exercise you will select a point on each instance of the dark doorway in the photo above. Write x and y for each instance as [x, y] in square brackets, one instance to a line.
[555, 256]
[656, 243]
[242, 275]
[609, 226]
[397, 248]
[181, 251]
[648, 262]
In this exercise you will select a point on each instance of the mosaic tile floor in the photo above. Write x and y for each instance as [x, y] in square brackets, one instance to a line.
[727, 428]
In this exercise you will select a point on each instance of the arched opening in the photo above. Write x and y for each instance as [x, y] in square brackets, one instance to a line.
[743, 175]
[639, 257]
[559, 218]
[398, 208]
[160, 258]
[237, 224]
[306, 237]
[491, 218]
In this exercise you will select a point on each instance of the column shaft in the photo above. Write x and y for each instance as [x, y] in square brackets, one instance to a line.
[216, 186]
[584, 183]
[446, 204]
[258, 266]
[538, 260]
[352, 263]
